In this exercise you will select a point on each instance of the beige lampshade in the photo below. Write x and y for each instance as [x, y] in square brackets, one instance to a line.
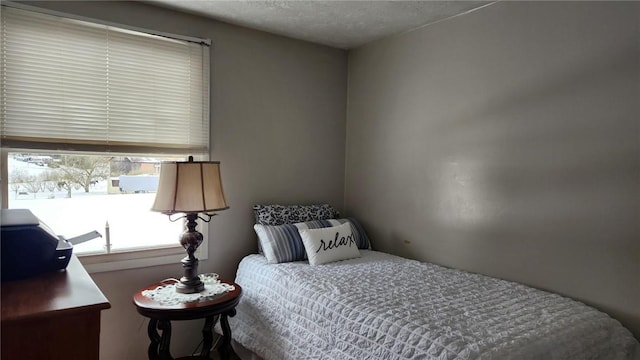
[189, 187]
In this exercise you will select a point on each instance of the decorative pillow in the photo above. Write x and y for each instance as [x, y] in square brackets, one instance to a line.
[291, 214]
[358, 231]
[329, 244]
[282, 243]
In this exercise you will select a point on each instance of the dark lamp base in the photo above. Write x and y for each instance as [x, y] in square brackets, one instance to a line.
[187, 288]
[190, 283]
[190, 240]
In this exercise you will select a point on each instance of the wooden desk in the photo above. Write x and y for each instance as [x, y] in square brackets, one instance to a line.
[53, 316]
[161, 316]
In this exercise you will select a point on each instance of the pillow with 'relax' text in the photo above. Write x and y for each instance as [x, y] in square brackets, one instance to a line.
[329, 244]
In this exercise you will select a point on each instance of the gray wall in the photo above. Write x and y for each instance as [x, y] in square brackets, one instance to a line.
[278, 112]
[506, 142]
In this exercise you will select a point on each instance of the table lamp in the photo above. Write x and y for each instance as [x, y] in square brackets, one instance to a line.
[190, 187]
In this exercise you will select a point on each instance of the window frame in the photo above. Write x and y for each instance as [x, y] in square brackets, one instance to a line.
[119, 259]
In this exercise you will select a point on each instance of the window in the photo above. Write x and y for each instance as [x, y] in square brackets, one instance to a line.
[75, 193]
[87, 113]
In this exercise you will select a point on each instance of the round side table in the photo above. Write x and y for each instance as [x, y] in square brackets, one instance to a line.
[161, 315]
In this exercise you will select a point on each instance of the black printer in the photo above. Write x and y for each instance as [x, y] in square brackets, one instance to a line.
[30, 247]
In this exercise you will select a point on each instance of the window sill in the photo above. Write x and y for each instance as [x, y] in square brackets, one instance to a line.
[133, 259]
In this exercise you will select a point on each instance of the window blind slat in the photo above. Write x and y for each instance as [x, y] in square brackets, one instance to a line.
[70, 82]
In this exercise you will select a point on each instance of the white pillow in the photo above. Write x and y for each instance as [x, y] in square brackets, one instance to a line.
[329, 244]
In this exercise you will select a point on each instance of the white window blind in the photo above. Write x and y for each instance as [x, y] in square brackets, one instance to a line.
[75, 85]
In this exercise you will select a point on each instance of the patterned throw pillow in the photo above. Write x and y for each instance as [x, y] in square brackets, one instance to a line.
[283, 243]
[291, 214]
[330, 244]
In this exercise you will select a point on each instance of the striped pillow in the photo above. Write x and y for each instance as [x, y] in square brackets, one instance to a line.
[282, 243]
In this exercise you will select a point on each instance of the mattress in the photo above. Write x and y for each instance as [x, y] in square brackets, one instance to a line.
[381, 306]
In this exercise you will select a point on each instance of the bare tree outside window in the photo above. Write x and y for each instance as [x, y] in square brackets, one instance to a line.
[33, 184]
[16, 180]
[83, 170]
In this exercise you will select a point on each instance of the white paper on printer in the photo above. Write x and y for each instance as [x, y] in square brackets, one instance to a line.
[84, 237]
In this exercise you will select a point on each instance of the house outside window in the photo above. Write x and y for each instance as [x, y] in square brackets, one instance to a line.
[88, 112]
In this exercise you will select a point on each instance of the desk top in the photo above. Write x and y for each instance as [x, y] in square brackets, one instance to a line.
[57, 293]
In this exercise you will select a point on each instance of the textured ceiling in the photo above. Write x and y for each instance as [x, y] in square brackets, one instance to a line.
[341, 24]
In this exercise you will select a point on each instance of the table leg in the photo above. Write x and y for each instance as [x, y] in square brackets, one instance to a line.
[207, 336]
[225, 349]
[165, 340]
[155, 339]
[159, 346]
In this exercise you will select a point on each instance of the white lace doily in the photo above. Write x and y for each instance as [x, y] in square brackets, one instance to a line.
[167, 294]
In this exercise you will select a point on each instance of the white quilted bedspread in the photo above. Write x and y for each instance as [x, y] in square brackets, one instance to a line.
[381, 306]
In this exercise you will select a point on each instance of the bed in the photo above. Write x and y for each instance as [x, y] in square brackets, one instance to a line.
[318, 291]
[380, 306]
